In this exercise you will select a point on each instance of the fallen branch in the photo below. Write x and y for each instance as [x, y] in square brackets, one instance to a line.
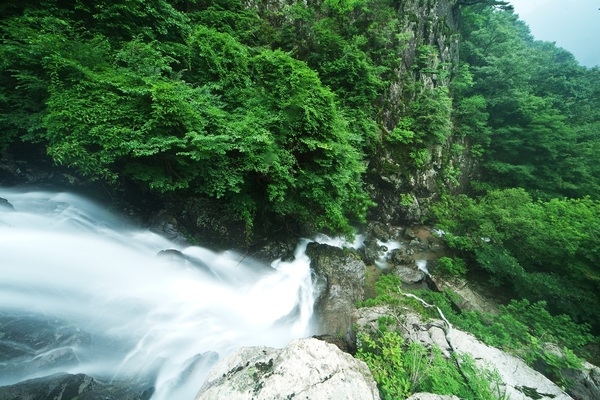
[447, 330]
[447, 334]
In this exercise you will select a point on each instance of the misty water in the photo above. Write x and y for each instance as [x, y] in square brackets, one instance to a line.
[163, 319]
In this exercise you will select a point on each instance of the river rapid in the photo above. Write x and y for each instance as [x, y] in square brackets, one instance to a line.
[138, 316]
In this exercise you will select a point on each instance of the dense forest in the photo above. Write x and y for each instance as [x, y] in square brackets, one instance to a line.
[284, 112]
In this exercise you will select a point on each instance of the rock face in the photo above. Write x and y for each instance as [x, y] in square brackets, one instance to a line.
[342, 273]
[73, 387]
[519, 381]
[29, 343]
[210, 221]
[32, 344]
[305, 369]
[431, 24]
[469, 296]
[585, 383]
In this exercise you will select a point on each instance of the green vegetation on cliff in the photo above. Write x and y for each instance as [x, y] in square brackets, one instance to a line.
[202, 102]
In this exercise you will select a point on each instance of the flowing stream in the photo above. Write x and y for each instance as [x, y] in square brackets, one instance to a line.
[69, 263]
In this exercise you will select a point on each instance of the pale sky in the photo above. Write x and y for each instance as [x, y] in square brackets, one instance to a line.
[573, 24]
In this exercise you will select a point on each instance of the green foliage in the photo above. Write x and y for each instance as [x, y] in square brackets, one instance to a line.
[355, 47]
[525, 106]
[384, 357]
[521, 327]
[401, 370]
[542, 251]
[138, 92]
[452, 266]
[386, 289]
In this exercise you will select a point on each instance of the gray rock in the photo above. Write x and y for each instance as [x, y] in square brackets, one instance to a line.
[410, 233]
[401, 256]
[413, 211]
[29, 343]
[585, 382]
[280, 248]
[305, 369]
[344, 273]
[212, 222]
[520, 381]
[75, 387]
[470, 298]
[409, 275]
[370, 251]
[383, 232]
[166, 224]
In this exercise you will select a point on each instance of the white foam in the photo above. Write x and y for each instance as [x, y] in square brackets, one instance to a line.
[65, 257]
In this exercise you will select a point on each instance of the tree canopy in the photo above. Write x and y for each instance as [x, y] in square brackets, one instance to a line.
[190, 102]
[541, 108]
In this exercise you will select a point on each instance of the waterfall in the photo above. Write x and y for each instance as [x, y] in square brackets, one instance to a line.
[67, 260]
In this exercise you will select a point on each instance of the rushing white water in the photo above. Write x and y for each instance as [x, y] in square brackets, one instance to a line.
[65, 257]
[422, 266]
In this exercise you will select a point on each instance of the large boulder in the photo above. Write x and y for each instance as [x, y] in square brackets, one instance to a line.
[342, 273]
[409, 274]
[470, 296]
[519, 381]
[584, 382]
[305, 369]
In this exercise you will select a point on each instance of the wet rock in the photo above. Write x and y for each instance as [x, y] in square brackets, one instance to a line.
[409, 275]
[401, 256]
[276, 249]
[370, 251]
[306, 368]
[29, 343]
[75, 387]
[59, 387]
[344, 273]
[38, 333]
[54, 358]
[172, 256]
[5, 205]
[410, 233]
[383, 232]
[469, 297]
[166, 225]
[212, 223]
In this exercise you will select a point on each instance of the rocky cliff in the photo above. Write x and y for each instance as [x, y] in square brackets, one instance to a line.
[420, 157]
